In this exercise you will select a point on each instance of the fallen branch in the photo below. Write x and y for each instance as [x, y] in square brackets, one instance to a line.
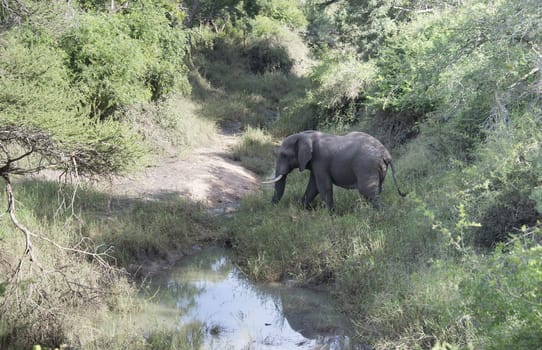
[412, 10]
[29, 248]
[525, 77]
[28, 251]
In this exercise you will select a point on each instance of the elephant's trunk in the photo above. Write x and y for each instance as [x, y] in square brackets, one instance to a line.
[279, 189]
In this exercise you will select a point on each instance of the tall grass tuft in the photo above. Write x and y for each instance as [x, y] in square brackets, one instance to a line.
[255, 151]
[175, 124]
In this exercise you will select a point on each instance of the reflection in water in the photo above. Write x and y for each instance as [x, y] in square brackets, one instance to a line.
[237, 314]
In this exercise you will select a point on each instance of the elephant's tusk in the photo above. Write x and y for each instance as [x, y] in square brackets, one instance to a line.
[273, 180]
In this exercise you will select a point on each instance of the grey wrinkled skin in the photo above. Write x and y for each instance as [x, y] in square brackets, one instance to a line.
[354, 161]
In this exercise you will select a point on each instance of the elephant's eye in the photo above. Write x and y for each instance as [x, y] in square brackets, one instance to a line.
[286, 154]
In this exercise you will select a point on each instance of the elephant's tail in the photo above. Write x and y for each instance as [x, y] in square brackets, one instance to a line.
[390, 163]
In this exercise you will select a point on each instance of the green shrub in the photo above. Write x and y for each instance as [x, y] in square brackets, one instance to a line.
[284, 11]
[501, 187]
[274, 43]
[120, 59]
[341, 82]
[300, 115]
[504, 296]
[265, 56]
[108, 67]
[155, 25]
[38, 104]
[367, 24]
[446, 68]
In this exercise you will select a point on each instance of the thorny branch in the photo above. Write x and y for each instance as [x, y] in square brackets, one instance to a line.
[27, 234]
[532, 233]
[11, 12]
[28, 252]
[15, 160]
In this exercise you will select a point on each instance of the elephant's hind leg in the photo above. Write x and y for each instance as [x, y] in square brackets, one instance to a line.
[371, 189]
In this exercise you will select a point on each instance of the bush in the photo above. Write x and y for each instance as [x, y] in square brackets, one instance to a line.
[501, 187]
[284, 11]
[107, 66]
[341, 83]
[156, 26]
[125, 58]
[445, 68]
[367, 24]
[265, 56]
[39, 110]
[300, 115]
[504, 295]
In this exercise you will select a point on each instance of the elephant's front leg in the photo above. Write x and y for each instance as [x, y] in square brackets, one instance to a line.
[310, 192]
[325, 187]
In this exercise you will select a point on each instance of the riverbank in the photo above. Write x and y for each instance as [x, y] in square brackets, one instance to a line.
[132, 228]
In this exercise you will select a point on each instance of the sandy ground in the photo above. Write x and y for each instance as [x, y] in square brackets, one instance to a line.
[207, 175]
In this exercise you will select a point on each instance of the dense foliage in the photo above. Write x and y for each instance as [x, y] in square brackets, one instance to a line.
[453, 88]
[40, 114]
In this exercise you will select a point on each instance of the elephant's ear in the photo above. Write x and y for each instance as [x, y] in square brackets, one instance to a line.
[304, 152]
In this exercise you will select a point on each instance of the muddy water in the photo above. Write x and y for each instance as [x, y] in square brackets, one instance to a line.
[207, 289]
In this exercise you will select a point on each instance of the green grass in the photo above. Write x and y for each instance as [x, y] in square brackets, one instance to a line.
[372, 261]
[412, 275]
[227, 89]
[255, 151]
[176, 123]
[393, 272]
[79, 290]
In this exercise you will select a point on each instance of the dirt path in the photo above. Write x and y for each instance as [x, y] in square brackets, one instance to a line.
[207, 175]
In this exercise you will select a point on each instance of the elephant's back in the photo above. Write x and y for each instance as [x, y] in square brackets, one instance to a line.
[367, 144]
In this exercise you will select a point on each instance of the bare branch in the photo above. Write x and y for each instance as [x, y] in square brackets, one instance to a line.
[122, 6]
[12, 12]
[532, 234]
[28, 251]
[525, 77]
[100, 257]
[428, 10]
[327, 3]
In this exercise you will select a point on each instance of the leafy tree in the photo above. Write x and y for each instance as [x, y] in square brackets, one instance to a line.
[43, 126]
[366, 24]
[107, 65]
[285, 11]
[342, 83]
[157, 28]
[202, 12]
[449, 67]
[134, 55]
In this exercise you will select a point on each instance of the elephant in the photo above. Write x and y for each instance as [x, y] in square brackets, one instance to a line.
[353, 161]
